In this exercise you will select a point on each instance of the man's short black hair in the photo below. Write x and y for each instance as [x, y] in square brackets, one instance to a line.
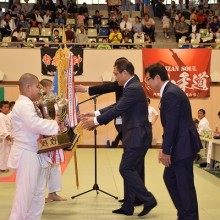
[157, 69]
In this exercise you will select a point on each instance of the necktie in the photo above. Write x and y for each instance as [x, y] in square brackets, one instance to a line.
[125, 25]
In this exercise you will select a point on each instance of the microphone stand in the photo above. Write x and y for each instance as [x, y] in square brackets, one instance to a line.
[95, 186]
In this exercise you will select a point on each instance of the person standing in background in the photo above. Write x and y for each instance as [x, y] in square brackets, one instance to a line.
[54, 179]
[5, 136]
[152, 115]
[203, 122]
[181, 142]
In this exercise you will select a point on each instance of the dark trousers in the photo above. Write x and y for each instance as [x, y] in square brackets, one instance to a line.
[131, 165]
[179, 180]
[179, 35]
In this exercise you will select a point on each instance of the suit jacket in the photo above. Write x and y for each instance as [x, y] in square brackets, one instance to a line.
[180, 138]
[190, 29]
[107, 88]
[133, 108]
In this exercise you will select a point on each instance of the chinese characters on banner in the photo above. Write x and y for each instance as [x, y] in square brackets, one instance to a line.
[187, 68]
[48, 62]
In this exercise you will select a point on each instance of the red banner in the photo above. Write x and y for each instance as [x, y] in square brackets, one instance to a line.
[187, 68]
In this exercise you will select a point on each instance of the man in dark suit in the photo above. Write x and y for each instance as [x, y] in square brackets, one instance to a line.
[118, 89]
[132, 106]
[181, 142]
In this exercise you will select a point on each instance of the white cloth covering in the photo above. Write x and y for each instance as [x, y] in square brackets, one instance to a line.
[54, 180]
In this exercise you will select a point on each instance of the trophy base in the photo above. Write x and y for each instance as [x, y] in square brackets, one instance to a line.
[67, 140]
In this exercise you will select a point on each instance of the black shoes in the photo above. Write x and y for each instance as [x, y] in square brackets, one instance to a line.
[121, 212]
[136, 203]
[147, 208]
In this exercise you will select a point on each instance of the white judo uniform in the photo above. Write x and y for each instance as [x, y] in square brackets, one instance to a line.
[30, 167]
[5, 145]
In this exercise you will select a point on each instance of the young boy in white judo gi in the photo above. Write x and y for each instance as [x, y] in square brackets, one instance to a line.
[54, 179]
[31, 168]
[5, 136]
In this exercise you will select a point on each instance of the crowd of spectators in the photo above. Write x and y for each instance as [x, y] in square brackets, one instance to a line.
[194, 22]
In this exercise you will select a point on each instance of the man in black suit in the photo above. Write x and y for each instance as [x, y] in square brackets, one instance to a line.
[132, 106]
[181, 142]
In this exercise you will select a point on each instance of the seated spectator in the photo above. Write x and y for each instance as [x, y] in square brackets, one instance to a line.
[61, 8]
[59, 21]
[18, 5]
[93, 44]
[36, 19]
[181, 29]
[214, 28]
[187, 44]
[113, 23]
[38, 4]
[48, 21]
[148, 25]
[55, 37]
[104, 44]
[49, 5]
[70, 35]
[210, 16]
[201, 18]
[22, 21]
[177, 18]
[27, 8]
[147, 41]
[97, 20]
[82, 36]
[115, 37]
[19, 35]
[7, 25]
[137, 29]
[194, 30]
[72, 9]
[115, 13]
[201, 44]
[166, 24]
[15, 13]
[126, 27]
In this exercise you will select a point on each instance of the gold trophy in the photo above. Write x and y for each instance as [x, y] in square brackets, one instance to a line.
[49, 106]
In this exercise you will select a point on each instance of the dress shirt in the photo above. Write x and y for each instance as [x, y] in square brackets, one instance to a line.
[162, 88]
[97, 113]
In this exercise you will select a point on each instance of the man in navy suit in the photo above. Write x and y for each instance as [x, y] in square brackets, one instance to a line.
[118, 89]
[132, 106]
[181, 142]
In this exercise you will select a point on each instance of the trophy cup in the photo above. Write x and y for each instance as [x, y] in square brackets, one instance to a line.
[48, 107]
